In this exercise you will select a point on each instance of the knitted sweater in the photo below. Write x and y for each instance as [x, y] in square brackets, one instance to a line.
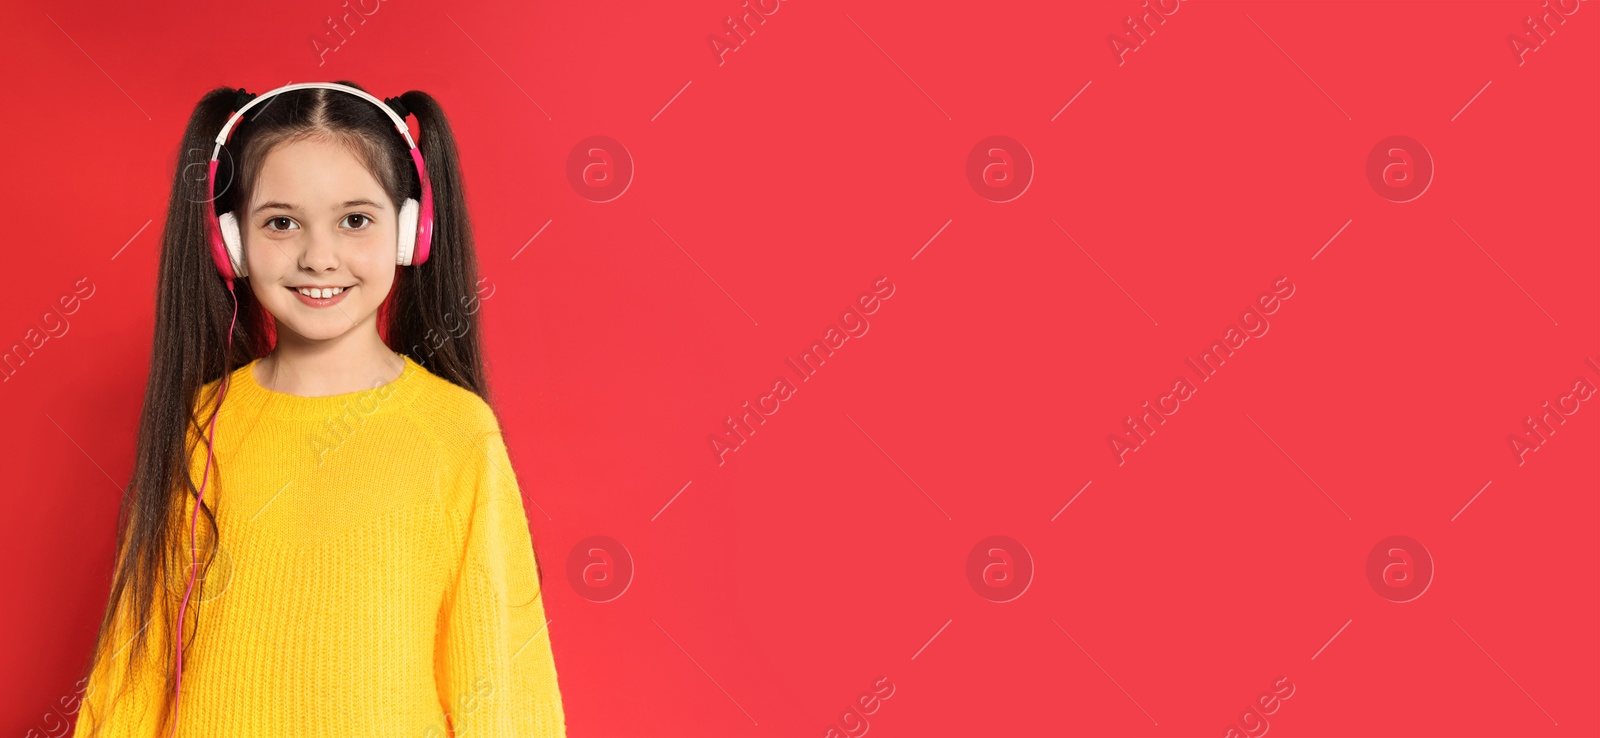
[375, 577]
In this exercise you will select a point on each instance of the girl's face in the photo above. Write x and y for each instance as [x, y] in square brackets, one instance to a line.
[319, 219]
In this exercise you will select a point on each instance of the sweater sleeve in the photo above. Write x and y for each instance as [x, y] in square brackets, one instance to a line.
[111, 706]
[115, 704]
[119, 702]
[495, 670]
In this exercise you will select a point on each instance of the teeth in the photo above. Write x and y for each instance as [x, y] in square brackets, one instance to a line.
[324, 292]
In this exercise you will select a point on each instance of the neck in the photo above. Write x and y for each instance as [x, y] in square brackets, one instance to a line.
[349, 363]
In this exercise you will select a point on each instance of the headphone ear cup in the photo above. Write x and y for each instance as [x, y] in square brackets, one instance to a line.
[407, 233]
[229, 226]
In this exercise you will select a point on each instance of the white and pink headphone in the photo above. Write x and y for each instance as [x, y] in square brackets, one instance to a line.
[416, 221]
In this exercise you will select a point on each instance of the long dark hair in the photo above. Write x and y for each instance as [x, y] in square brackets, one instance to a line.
[194, 309]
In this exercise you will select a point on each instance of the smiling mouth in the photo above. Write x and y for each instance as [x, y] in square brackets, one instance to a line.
[334, 295]
[322, 292]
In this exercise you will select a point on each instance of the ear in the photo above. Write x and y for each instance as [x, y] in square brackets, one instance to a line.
[230, 238]
[407, 233]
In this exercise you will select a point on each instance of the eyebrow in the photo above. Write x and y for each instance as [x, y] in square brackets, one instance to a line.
[340, 206]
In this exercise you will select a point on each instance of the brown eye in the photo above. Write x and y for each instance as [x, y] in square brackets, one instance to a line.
[270, 224]
[362, 221]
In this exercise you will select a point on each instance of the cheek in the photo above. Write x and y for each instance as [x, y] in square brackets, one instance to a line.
[377, 276]
[256, 251]
[376, 250]
[381, 282]
[376, 265]
[373, 256]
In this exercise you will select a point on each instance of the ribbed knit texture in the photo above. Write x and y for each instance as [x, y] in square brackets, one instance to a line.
[375, 577]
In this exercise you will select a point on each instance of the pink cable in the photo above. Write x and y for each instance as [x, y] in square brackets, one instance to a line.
[195, 515]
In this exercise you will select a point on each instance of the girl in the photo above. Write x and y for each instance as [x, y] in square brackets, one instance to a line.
[323, 535]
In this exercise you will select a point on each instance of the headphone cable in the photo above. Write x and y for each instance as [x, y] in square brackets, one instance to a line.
[177, 688]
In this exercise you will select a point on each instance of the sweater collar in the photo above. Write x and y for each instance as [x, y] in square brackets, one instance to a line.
[249, 397]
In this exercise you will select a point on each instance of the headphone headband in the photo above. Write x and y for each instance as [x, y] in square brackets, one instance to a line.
[252, 100]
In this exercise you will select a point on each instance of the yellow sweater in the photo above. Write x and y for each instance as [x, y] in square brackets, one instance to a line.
[375, 577]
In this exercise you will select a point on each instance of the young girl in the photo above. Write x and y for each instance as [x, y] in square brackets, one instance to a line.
[324, 535]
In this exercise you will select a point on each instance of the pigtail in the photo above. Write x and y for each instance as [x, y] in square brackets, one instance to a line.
[193, 310]
[436, 304]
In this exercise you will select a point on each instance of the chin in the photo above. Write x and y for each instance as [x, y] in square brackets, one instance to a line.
[314, 333]
[317, 328]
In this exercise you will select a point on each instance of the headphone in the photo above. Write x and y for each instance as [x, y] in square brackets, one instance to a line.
[227, 251]
[416, 220]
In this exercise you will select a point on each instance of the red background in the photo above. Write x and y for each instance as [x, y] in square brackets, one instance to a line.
[775, 588]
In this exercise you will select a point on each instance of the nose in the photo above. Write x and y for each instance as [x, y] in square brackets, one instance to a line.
[320, 252]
